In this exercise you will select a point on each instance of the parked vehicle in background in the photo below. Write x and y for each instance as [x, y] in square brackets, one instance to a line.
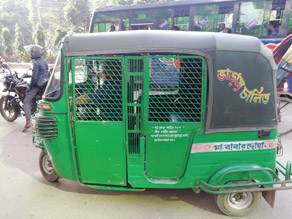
[270, 20]
[13, 94]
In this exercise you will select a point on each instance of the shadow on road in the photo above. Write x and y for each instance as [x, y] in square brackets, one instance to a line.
[18, 152]
[202, 200]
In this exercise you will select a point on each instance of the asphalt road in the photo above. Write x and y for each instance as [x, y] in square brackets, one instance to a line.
[24, 193]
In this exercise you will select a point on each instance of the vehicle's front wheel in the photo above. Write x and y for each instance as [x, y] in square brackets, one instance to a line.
[47, 168]
[238, 204]
[8, 108]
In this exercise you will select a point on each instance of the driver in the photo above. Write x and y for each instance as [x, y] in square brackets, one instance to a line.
[39, 67]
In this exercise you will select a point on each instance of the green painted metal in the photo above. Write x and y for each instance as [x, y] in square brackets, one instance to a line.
[119, 188]
[61, 147]
[104, 148]
[101, 156]
[134, 72]
[98, 124]
[246, 172]
[176, 103]
[46, 127]
[275, 183]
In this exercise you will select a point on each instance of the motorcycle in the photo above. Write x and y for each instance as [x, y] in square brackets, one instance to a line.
[15, 87]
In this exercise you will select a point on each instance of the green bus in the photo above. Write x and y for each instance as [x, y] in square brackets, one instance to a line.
[268, 19]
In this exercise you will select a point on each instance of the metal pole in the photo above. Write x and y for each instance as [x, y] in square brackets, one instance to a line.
[235, 20]
[286, 16]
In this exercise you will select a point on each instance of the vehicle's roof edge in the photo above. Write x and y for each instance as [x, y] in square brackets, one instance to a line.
[158, 5]
[147, 39]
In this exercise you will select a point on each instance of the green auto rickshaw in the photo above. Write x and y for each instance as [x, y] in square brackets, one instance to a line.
[164, 109]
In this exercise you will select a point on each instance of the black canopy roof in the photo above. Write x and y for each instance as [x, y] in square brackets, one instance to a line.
[161, 41]
[223, 52]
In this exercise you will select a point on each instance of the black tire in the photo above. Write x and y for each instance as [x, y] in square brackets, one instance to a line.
[47, 168]
[11, 112]
[284, 106]
[238, 204]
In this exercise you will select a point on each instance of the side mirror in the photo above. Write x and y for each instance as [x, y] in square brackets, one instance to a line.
[5, 66]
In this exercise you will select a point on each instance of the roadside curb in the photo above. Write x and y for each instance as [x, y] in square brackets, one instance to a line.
[24, 65]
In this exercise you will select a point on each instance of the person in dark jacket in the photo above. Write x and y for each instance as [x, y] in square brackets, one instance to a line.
[39, 66]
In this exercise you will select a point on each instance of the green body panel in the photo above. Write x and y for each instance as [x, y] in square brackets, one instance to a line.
[231, 136]
[201, 166]
[101, 152]
[61, 148]
[97, 153]
[168, 160]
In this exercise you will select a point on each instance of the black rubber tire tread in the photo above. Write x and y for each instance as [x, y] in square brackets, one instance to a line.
[221, 201]
[53, 177]
[288, 100]
[9, 119]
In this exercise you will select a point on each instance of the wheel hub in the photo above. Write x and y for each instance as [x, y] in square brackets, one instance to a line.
[47, 165]
[240, 200]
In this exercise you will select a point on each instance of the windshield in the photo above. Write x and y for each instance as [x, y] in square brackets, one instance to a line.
[54, 85]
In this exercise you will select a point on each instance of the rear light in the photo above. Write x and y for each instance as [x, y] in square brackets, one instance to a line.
[46, 106]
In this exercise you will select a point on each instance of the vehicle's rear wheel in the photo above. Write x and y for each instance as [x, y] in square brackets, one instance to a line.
[238, 204]
[47, 168]
[284, 106]
[8, 108]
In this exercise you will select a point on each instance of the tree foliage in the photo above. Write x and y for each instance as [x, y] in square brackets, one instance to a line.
[60, 34]
[19, 40]
[40, 38]
[77, 12]
[7, 42]
[56, 17]
[33, 12]
[16, 11]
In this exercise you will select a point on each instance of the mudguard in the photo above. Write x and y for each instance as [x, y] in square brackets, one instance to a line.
[241, 172]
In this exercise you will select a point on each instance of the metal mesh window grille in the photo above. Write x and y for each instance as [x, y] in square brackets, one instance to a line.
[175, 89]
[98, 89]
[134, 103]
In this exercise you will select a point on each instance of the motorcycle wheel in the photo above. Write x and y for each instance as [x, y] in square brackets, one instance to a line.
[47, 168]
[11, 112]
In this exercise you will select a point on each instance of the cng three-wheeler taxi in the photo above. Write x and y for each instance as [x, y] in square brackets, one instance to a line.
[164, 109]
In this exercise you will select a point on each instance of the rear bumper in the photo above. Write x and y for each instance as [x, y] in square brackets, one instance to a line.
[281, 181]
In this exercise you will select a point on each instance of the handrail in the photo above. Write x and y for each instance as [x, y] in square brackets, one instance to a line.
[247, 187]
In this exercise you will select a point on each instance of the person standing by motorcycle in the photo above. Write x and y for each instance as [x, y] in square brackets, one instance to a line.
[38, 81]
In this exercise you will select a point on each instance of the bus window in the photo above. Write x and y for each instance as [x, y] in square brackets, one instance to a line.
[163, 19]
[254, 18]
[181, 18]
[106, 22]
[277, 15]
[142, 20]
[103, 27]
[205, 17]
[225, 17]
[125, 24]
[105, 17]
